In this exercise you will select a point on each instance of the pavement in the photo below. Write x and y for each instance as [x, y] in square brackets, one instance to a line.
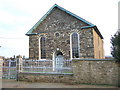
[10, 83]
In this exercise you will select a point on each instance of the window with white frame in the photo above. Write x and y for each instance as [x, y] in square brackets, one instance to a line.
[42, 47]
[75, 45]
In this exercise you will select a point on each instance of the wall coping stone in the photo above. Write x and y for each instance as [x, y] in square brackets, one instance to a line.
[49, 73]
[92, 59]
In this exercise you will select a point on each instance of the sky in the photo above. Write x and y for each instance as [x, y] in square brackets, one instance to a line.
[18, 16]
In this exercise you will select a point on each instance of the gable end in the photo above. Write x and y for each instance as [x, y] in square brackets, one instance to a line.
[44, 17]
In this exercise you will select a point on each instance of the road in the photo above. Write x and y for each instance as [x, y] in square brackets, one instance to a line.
[6, 83]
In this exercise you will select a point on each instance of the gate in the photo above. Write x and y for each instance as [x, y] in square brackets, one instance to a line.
[59, 63]
[9, 69]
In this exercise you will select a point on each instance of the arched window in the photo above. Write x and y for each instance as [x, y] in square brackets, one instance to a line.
[75, 45]
[42, 48]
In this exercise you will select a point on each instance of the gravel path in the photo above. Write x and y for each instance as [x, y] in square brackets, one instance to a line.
[20, 84]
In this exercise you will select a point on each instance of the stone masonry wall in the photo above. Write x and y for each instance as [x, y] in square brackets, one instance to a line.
[33, 47]
[47, 78]
[96, 71]
[64, 24]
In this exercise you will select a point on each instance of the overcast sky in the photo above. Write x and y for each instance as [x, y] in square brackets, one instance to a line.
[18, 16]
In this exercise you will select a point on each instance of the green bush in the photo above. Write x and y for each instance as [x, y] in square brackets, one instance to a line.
[115, 41]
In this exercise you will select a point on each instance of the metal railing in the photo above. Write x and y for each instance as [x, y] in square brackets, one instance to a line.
[46, 66]
[9, 69]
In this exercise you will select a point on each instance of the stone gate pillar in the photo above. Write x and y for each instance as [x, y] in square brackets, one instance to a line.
[19, 66]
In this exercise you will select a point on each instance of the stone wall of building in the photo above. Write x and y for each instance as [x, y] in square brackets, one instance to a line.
[98, 46]
[34, 47]
[86, 43]
[64, 24]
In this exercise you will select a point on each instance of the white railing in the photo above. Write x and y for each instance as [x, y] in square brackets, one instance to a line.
[9, 69]
[45, 66]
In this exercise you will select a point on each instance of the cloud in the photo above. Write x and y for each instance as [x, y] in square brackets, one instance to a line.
[14, 46]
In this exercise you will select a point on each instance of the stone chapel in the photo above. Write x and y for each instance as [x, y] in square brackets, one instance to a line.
[62, 34]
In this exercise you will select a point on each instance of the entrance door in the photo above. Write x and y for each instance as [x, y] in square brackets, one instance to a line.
[58, 61]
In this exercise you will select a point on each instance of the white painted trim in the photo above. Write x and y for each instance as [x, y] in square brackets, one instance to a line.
[79, 44]
[53, 61]
[71, 46]
[39, 49]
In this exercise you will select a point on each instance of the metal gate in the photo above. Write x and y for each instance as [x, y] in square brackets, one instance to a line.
[59, 62]
[9, 69]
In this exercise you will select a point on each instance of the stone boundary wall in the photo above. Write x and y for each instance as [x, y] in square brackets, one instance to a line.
[96, 71]
[47, 78]
[85, 71]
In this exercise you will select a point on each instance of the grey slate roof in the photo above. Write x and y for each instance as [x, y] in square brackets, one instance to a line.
[50, 10]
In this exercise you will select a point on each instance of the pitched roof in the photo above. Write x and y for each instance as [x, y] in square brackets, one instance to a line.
[50, 10]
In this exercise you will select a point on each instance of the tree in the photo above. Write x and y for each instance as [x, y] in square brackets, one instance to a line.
[115, 41]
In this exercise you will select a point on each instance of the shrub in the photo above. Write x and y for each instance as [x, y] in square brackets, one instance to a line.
[115, 41]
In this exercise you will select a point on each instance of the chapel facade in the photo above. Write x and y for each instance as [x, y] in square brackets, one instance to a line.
[62, 34]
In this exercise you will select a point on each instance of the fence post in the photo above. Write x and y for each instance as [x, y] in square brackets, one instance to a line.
[1, 72]
[19, 66]
[53, 62]
[9, 68]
